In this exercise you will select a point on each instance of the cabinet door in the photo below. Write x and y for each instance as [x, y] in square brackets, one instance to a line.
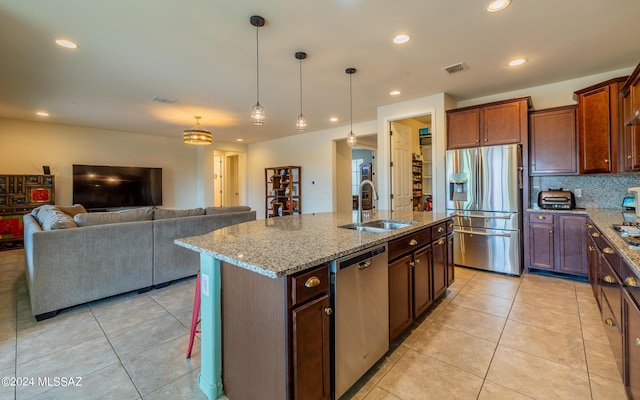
[631, 138]
[594, 130]
[553, 142]
[593, 259]
[632, 347]
[451, 270]
[541, 247]
[439, 267]
[502, 124]
[463, 129]
[311, 355]
[422, 295]
[572, 245]
[400, 307]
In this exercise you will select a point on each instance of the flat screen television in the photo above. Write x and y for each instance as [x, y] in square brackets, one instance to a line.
[101, 186]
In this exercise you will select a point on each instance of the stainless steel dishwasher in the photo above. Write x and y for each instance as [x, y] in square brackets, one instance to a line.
[360, 294]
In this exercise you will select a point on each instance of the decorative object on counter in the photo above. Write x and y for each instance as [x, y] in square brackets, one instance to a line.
[301, 122]
[636, 193]
[257, 112]
[197, 134]
[351, 137]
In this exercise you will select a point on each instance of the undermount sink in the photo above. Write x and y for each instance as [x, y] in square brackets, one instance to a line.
[380, 225]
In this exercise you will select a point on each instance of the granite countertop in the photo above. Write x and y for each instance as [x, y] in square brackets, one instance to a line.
[276, 247]
[604, 219]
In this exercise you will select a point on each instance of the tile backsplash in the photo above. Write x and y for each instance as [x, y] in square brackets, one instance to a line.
[602, 191]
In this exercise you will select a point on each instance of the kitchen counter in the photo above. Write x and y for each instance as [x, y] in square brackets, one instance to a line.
[604, 219]
[273, 248]
[282, 246]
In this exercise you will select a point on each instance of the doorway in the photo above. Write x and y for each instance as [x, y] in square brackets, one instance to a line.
[411, 155]
[349, 171]
[226, 179]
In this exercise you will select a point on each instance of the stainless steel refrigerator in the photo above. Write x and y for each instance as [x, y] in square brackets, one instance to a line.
[484, 196]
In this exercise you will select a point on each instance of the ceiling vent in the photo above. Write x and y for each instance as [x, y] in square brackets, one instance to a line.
[161, 99]
[459, 67]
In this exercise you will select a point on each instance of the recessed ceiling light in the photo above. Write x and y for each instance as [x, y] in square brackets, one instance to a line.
[239, 140]
[333, 119]
[66, 43]
[401, 39]
[394, 92]
[498, 5]
[42, 114]
[517, 61]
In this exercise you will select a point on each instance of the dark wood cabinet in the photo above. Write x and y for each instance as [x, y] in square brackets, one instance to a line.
[632, 346]
[419, 265]
[557, 242]
[553, 142]
[593, 261]
[599, 127]
[310, 350]
[400, 295]
[422, 280]
[501, 122]
[631, 132]
[276, 334]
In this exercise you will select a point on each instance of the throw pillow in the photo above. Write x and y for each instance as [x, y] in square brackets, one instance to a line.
[136, 214]
[51, 218]
[162, 213]
[72, 210]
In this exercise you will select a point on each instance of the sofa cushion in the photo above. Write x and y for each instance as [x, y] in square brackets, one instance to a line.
[72, 210]
[50, 218]
[225, 210]
[137, 214]
[162, 213]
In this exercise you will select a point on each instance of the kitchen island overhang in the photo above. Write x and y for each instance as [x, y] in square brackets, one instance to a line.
[277, 248]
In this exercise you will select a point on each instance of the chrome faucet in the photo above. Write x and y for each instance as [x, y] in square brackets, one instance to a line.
[364, 182]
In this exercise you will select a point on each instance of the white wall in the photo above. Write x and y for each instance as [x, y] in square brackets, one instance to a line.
[27, 146]
[314, 152]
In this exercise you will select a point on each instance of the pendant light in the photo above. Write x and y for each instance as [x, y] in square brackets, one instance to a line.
[351, 137]
[257, 112]
[301, 122]
[197, 134]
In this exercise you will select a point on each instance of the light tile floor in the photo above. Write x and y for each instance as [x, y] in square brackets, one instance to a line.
[490, 337]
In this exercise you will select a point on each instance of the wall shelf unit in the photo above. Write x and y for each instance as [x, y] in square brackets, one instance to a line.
[283, 191]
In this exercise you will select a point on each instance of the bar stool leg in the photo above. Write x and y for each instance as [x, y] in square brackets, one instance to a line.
[195, 320]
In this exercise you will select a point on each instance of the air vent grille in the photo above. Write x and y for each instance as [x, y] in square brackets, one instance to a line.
[161, 99]
[454, 68]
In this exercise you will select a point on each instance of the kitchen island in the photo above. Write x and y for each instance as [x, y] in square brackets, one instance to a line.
[255, 264]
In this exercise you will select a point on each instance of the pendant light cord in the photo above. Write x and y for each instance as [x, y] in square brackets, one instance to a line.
[257, 68]
[351, 103]
[300, 86]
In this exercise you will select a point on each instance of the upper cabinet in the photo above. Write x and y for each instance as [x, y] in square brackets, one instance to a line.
[502, 122]
[553, 141]
[630, 94]
[599, 127]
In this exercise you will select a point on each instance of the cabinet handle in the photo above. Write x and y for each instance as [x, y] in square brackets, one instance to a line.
[591, 248]
[440, 229]
[589, 226]
[631, 282]
[450, 224]
[328, 310]
[485, 139]
[608, 250]
[417, 261]
[441, 242]
[413, 242]
[541, 217]
[312, 282]
[551, 232]
[609, 322]
[608, 279]
[606, 160]
[595, 234]
[629, 157]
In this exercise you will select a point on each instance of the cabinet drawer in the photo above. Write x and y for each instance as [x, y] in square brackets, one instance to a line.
[449, 226]
[612, 328]
[309, 284]
[630, 281]
[541, 218]
[438, 230]
[409, 243]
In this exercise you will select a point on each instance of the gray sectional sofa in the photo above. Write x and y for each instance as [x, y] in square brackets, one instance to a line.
[74, 257]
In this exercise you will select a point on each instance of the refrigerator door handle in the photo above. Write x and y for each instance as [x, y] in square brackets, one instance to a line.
[520, 177]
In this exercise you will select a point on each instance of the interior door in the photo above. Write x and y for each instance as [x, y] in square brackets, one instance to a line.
[217, 180]
[232, 182]
[402, 188]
